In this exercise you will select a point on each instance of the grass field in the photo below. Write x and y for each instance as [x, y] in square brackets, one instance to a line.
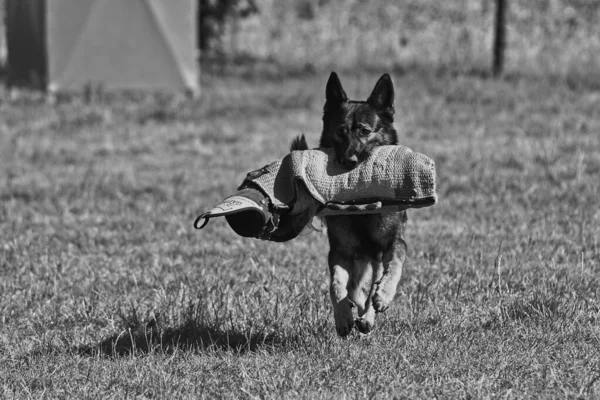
[106, 290]
[552, 37]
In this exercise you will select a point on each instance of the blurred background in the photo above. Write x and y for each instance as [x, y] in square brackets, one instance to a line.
[559, 37]
[547, 37]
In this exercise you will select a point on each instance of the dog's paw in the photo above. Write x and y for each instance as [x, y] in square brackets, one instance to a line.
[344, 327]
[381, 300]
[344, 321]
[364, 325]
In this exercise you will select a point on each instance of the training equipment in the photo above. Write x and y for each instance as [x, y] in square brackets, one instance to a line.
[391, 179]
[392, 175]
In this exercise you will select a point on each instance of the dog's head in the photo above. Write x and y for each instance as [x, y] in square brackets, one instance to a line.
[354, 128]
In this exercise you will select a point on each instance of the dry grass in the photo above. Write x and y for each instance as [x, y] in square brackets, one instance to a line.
[553, 37]
[106, 291]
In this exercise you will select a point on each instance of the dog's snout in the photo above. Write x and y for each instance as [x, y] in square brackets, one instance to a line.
[351, 161]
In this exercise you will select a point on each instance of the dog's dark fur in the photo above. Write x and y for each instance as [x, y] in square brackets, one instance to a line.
[366, 251]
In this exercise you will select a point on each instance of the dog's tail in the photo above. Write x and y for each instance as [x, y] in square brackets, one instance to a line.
[299, 143]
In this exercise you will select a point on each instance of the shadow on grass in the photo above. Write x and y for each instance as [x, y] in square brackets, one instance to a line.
[188, 337]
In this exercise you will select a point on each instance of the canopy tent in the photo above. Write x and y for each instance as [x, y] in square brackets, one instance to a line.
[125, 44]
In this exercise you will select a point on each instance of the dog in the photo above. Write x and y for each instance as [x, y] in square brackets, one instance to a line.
[367, 251]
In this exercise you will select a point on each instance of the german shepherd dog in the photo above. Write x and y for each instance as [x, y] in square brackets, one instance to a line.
[366, 252]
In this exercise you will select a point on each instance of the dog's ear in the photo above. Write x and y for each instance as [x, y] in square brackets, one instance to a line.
[382, 97]
[334, 92]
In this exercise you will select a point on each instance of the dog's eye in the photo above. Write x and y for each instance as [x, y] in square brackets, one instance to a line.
[365, 132]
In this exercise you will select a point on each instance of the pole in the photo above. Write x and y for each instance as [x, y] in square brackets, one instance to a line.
[499, 38]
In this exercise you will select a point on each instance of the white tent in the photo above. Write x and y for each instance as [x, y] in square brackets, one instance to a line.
[124, 44]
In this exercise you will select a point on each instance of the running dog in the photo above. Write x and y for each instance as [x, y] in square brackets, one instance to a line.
[366, 251]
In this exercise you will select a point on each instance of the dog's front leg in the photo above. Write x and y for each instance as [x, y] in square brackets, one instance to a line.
[361, 292]
[339, 268]
[385, 287]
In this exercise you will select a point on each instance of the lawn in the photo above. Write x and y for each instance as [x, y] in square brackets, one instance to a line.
[107, 291]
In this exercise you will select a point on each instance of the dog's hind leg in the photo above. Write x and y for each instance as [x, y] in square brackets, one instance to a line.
[384, 288]
[340, 267]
